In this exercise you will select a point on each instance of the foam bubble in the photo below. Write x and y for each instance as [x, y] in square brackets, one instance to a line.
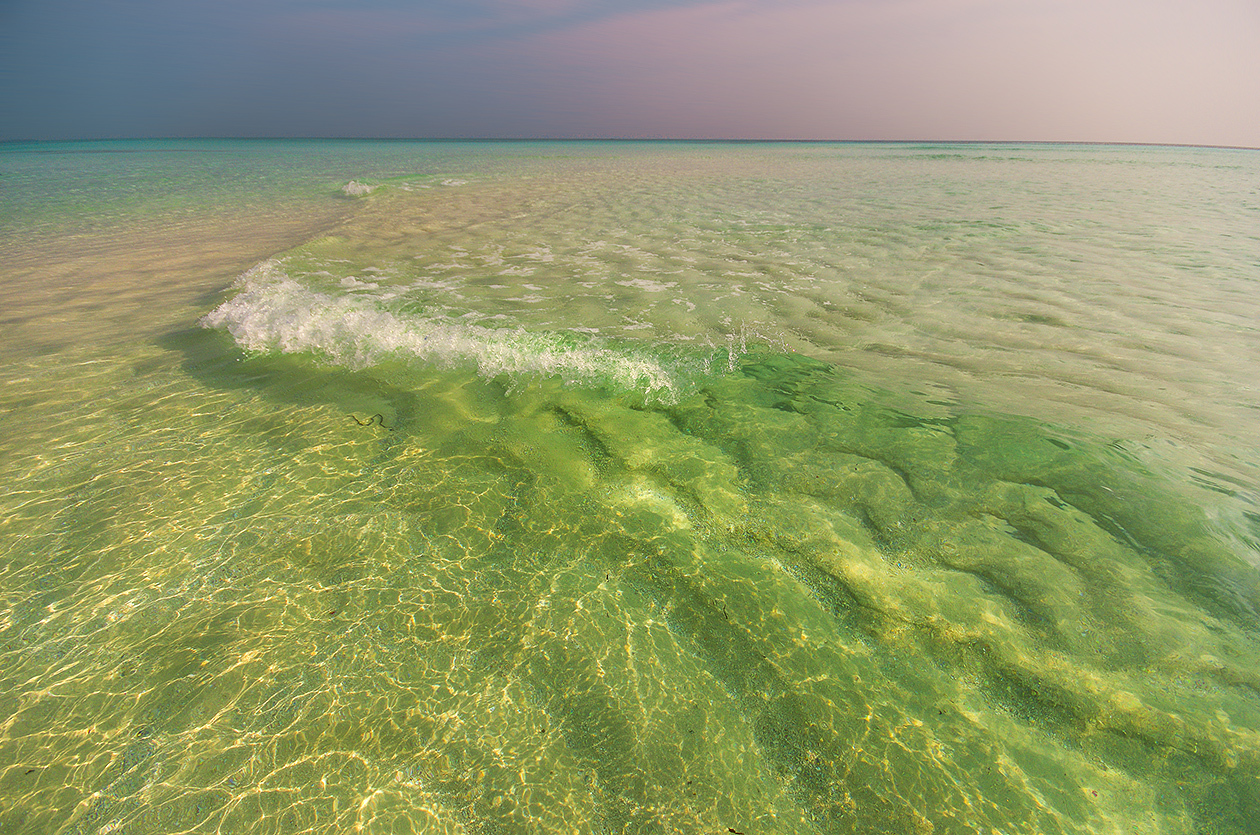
[356, 189]
[272, 311]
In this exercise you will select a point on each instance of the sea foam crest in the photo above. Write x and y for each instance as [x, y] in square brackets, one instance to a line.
[354, 188]
[273, 312]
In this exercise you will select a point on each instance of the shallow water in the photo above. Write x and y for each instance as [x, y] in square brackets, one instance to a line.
[629, 487]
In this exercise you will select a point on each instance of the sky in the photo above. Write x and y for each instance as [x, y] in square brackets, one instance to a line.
[1155, 71]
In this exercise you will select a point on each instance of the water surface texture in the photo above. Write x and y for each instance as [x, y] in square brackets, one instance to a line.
[565, 487]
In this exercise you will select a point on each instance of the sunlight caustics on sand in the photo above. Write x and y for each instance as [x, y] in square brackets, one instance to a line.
[630, 487]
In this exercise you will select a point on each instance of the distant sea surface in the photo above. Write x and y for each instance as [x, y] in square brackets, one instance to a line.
[629, 487]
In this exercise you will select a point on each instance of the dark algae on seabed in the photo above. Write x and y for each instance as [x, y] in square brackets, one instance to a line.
[944, 624]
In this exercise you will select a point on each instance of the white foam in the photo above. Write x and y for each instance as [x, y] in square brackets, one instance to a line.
[356, 189]
[647, 285]
[273, 312]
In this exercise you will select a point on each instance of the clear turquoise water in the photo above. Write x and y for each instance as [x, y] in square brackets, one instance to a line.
[629, 487]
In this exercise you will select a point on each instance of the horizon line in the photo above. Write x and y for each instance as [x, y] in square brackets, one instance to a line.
[694, 140]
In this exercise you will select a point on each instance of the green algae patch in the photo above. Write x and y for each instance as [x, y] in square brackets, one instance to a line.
[1071, 594]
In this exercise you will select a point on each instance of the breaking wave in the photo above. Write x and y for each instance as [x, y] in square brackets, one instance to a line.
[273, 312]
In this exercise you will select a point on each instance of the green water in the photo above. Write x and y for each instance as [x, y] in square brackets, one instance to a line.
[647, 489]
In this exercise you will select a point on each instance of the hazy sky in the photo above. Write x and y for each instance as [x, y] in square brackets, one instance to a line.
[1174, 71]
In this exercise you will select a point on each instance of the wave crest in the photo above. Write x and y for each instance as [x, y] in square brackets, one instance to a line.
[273, 312]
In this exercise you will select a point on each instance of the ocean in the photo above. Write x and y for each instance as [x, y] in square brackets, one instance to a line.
[629, 487]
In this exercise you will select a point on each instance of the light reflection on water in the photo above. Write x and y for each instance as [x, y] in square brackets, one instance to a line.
[355, 582]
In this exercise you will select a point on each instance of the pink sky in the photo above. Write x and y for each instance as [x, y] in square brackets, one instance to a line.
[1101, 70]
